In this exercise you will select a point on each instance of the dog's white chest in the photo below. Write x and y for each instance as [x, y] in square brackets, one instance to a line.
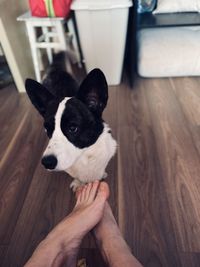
[92, 163]
[87, 169]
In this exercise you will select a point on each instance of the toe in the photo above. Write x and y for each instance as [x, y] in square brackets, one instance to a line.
[88, 189]
[93, 191]
[103, 191]
[83, 193]
[78, 200]
[79, 196]
[78, 191]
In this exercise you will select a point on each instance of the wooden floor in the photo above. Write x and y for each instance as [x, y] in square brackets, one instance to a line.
[154, 178]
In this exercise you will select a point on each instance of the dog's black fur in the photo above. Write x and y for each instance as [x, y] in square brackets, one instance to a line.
[84, 129]
[58, 82]
[80, 141]
[81, 121]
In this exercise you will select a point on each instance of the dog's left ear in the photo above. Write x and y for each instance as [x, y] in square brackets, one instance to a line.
[93, 91]
[39, 95]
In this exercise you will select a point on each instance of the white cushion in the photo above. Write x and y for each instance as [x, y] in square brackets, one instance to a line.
[172, 6]
[169, 52]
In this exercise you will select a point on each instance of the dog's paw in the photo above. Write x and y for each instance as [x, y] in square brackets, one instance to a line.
[75, 184]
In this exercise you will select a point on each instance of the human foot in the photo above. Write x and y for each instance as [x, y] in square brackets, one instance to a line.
[107, 226]
[64, 240]
[111, 242]
[86, 214]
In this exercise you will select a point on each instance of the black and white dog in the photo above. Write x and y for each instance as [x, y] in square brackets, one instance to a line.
[80, 141]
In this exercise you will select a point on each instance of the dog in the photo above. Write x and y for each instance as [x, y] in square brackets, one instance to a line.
[80, 142]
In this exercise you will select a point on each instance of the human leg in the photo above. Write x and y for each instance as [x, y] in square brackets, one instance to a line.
[62, 243]
[111, 243]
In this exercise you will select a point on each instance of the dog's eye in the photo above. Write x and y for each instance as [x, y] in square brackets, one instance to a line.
[73, 129]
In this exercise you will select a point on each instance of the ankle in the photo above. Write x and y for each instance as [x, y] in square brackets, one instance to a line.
[48, 253]
[64, 241]
[107, 229]
[110, 246]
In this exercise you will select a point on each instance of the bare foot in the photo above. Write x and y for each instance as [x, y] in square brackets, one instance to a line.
[107, 226]
[64, 240]
[111, 242]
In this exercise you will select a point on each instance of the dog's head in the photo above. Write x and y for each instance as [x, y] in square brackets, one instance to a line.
[72, 123]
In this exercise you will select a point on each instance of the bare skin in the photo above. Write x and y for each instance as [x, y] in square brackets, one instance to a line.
[111, 243]
[92, 211]
[62, 243]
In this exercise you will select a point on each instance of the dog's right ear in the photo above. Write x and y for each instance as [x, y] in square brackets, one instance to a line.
[39, 95]
[93, 91]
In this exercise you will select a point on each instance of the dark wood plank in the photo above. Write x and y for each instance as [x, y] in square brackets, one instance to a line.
[142, 198]
[110, 115]
[188, 94]
[48, 201]
[10, 121]
[8, 102]
[179, 162]
[190, 259]
[16, 169]
[3, 250]
[7, 93]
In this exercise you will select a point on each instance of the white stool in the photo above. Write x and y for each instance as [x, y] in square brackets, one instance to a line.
[53, 37]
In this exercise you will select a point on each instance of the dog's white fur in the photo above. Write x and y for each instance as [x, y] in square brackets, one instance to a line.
[87, 164]
[65, 152]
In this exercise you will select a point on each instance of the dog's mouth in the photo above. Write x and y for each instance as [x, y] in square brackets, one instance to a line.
[53, 170]
[51, 164]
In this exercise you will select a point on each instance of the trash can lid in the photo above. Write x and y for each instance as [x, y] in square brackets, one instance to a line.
[100, 4]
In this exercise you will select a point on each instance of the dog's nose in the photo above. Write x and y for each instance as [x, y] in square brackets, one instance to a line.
[49, 162]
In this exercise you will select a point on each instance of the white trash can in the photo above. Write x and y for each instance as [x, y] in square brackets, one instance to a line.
[102, 28]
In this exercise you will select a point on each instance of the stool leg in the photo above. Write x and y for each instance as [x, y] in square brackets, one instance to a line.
[49, 50]
[72, 31]
[34, 52]
[61, 36]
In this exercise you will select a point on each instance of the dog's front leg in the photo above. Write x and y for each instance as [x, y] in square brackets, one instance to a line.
[75, 184]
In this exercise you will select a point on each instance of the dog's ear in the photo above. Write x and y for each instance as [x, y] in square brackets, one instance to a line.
[39, 95]
[93, 91]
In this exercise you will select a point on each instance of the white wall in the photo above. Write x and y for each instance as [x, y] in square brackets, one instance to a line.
[14, 41]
